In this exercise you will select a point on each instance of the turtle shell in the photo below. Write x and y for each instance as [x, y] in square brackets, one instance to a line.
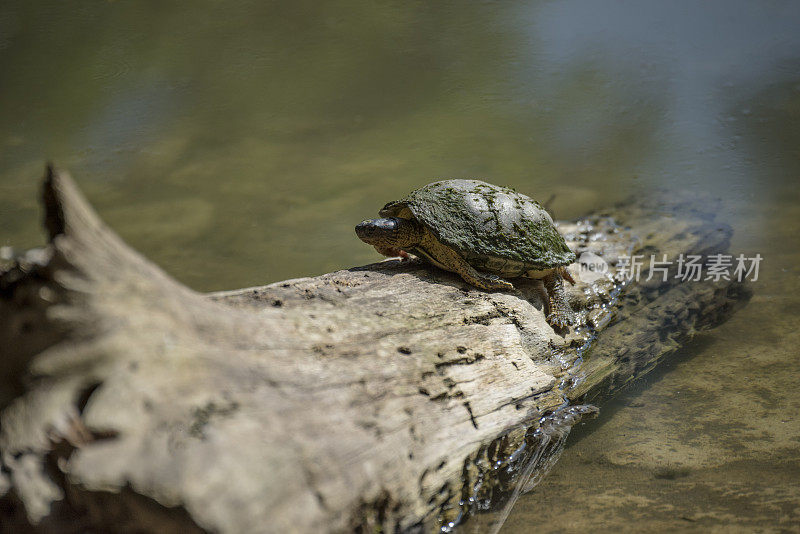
[492, 227]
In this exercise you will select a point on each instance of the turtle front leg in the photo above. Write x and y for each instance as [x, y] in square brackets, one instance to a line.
[392, 252]
[455, 263]
[484, 281]
[559, 313]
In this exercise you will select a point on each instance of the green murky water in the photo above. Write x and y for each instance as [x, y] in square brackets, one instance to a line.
[237, 143]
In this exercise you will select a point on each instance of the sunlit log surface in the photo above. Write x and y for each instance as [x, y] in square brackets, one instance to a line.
[390, 396]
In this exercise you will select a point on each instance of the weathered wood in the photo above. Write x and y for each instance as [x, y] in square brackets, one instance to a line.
[377, 396]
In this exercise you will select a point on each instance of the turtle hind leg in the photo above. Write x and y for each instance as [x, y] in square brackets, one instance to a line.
[559, 313]
[564, 272]
[543, 295]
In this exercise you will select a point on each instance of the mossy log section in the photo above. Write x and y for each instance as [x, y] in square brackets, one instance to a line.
[349, 401]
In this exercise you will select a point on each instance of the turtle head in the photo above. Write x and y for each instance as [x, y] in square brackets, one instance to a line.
[390, 233]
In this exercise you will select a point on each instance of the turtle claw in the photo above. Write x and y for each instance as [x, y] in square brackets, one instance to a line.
[560, 320]
[495, 282]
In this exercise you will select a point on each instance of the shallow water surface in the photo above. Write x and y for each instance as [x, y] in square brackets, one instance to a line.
[238, 143]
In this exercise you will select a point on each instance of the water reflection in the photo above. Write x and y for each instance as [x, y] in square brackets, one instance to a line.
[291, 121]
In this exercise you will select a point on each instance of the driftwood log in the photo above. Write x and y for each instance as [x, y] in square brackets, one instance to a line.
[389, 397]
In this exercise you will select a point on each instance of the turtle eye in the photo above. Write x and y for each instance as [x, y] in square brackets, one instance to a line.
[379, 229]
[386, 225]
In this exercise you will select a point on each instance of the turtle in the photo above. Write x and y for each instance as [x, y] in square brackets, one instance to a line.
[483, 232]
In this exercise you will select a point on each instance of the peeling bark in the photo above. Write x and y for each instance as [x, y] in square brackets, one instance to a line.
[374, 397]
